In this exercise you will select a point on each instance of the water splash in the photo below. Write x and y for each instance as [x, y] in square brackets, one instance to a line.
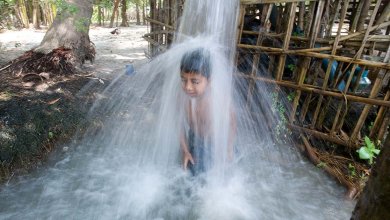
[130, 167]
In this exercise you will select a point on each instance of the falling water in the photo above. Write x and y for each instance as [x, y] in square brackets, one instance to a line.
[129, 167]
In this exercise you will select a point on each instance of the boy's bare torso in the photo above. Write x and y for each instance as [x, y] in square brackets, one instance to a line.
[198, 116]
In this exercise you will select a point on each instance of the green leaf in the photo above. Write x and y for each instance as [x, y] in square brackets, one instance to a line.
[376, 151]
[364, 153]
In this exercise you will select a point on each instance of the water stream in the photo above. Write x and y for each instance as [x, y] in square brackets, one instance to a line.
[129, 167]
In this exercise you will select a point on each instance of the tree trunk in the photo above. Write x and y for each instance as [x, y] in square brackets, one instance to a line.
[143, 13]
[124, 23]
[99, 13]
[22, 12]
[137, 13]
[36, 14]
[70, 30]
[114, 13]
[374, 202]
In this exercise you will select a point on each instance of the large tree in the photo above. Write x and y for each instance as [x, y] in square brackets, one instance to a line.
[70, 30]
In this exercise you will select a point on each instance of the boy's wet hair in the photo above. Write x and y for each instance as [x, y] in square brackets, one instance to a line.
[196, 61]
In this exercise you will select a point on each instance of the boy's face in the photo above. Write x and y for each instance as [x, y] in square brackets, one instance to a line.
[194, 84]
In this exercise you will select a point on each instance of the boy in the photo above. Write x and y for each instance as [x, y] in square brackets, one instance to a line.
[195, 139]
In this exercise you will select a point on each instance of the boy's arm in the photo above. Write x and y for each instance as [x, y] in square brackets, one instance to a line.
[187, 157]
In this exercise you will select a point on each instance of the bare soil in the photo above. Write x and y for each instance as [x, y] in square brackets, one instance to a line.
[39, 112]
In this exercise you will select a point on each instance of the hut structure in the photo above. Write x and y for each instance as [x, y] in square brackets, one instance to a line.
[331, 56]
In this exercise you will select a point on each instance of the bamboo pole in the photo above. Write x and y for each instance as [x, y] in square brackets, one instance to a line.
[320, 135]
[346, 59]
[310, 88]
[160, 23]
[380, 117]
[303, 68]
[282, 51]
[286, 41]
[301, 15]
[251, 2]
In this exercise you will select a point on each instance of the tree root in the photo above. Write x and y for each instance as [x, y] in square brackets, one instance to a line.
[59, 61]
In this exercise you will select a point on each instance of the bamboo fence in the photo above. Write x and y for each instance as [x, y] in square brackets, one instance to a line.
[353, 33]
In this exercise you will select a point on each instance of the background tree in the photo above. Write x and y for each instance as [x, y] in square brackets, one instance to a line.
[124, 23]
[137, 4]
[21, 12]
[65, 46]
[36, 14]
[114, 12]
[70, 30]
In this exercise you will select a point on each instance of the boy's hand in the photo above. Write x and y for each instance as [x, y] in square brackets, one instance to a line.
[187, 157]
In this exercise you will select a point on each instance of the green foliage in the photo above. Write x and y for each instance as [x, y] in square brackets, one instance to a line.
[278, 107]
[368, 151]
[352, 170]
[321, 165]
[370, 126]
[82, 25]
[6, 9]
[291, 67]
[65, 7]
[51, 135]
[291, 96]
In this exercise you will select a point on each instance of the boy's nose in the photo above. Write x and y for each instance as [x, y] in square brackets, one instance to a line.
[188, 86]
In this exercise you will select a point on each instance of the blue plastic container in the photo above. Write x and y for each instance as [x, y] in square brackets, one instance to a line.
[129, 69]
[363, 83]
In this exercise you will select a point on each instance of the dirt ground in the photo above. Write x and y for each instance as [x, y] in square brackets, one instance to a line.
[37, 115]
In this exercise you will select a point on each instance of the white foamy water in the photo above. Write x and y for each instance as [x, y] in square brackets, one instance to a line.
[130, 168]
